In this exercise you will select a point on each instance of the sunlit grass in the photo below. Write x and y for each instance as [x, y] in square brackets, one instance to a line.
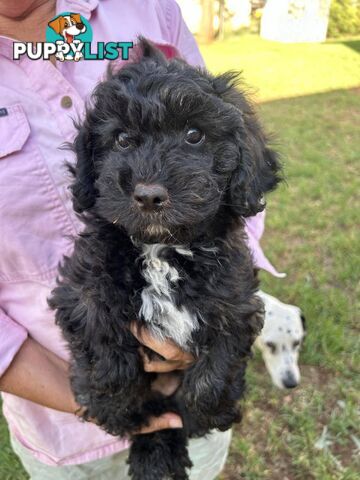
[279, 70]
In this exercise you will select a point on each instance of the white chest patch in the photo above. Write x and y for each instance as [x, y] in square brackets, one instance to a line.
[158, 307]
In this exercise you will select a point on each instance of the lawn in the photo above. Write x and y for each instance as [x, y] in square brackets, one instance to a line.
[312, 234]
[308, 98]
[276, 70]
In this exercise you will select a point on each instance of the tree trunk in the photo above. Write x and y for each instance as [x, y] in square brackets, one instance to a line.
[207, 32]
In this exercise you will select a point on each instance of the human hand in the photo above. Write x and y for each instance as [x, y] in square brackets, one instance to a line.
[164, 421]
[165, 383]
[175, 358]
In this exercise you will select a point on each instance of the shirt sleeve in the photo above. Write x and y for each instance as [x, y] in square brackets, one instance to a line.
[254, 228]
[12, 336]
[180, 35]
[183, 40]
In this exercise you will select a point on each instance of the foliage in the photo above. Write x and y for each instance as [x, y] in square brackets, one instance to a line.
[344, 18]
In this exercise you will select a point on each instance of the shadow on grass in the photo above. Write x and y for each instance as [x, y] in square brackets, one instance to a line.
[312, 98]
[353, 44]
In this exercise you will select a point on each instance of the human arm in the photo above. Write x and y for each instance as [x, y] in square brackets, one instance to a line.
[38, 375]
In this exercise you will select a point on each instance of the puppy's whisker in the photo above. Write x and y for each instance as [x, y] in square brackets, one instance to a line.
[116, 220]
[171, 236]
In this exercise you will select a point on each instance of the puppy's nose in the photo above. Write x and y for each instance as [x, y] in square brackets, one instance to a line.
[289, 381]
[80, 26]
[150, 197]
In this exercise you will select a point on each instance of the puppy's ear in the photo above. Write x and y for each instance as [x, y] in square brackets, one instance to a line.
[144, 49]
[159, 52]
[83, 187]
[149, 50]
[258, 170]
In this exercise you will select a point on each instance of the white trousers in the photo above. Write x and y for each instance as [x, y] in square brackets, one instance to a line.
[208, 455]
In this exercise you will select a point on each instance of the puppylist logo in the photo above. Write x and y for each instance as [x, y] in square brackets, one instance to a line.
[69, 37]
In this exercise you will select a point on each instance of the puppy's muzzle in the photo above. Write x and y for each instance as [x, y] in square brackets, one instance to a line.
[150, 197]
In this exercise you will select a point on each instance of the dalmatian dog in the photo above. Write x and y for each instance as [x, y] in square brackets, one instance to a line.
[280, 340]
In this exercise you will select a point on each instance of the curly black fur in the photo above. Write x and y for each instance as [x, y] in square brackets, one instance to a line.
[199, 234]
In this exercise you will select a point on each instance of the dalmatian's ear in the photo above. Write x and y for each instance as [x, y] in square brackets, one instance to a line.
[303, 321]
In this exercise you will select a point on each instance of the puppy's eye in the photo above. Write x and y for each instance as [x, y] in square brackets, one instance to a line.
[194, 136]
[122, 141]
[296, 343]
[271, 346]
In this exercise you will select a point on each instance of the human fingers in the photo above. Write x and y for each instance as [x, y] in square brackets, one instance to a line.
[167, 420]
[178, 358]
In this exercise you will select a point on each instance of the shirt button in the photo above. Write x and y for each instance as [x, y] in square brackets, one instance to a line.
[66, 102]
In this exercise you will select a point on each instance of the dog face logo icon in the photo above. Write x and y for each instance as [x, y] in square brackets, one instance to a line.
[68, 26]
[64, 30]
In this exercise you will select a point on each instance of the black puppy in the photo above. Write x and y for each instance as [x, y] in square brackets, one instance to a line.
[170, 159]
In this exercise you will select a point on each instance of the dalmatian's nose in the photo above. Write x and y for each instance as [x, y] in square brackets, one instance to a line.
[289, 381]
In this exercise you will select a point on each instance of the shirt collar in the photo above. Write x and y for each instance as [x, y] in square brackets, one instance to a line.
[84, 7]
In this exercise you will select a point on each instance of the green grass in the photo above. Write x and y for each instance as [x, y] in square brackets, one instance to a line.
[312, 219]
[280, 436]
[278, 70]
[10, 467]
[311, 234]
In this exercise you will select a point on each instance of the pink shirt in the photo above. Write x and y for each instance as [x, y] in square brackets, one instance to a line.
[36, 214]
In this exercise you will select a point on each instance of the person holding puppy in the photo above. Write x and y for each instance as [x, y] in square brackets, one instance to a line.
[38, 101]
